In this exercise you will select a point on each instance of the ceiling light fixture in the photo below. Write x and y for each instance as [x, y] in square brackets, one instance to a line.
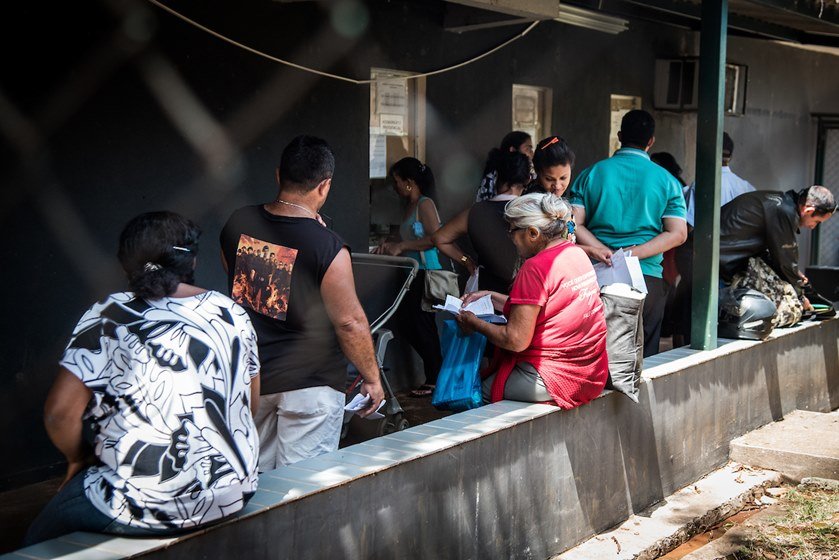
[591, 19]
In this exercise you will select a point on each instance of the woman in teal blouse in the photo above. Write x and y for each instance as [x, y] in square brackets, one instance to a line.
[414, 182]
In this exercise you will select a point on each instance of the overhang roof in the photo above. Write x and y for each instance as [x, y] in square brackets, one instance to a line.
[814, 22]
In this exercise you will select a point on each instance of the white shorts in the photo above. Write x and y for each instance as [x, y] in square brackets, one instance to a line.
[297, 425]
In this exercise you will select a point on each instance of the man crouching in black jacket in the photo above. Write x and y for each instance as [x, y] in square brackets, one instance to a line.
[759, 249]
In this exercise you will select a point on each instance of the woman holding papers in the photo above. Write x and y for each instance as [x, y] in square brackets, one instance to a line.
[414, 182]
[553, 347]
[485, 226]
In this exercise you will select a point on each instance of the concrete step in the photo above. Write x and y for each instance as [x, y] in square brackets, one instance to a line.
[679, 517]
[802, 444]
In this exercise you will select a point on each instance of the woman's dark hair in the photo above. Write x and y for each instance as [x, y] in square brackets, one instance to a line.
[511, 142]
[514, 169]
[157, 250]
[551, 151]
[414, 170]
[668, 162]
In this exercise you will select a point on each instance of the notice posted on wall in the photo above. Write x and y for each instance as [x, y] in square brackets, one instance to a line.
[378, 156]
[392, 125]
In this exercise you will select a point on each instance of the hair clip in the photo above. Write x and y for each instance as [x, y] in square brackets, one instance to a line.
[151, 267]
[571, 226]
[553, 140]
[184, 249]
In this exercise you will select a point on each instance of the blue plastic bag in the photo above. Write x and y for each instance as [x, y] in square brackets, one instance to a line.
[459, 384]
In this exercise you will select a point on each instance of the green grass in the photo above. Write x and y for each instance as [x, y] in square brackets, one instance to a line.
[809, 530]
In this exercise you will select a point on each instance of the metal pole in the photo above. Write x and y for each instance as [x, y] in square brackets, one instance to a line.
[815, 236]
[706, 246]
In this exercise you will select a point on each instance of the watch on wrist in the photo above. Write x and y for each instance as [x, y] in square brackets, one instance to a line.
[464, 259]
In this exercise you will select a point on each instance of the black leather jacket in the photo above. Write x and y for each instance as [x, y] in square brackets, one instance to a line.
[761, 224]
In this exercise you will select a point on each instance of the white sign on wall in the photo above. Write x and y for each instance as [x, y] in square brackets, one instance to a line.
[393, 125]
[378, 156]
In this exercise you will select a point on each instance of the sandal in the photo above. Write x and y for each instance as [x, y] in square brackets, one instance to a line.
[424, 390]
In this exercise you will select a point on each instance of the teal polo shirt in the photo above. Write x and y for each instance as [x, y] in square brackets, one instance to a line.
[626, 197]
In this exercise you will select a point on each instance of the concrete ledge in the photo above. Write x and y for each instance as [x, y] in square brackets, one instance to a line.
[516, 480]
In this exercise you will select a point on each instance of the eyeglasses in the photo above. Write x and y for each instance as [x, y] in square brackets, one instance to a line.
[512, 229]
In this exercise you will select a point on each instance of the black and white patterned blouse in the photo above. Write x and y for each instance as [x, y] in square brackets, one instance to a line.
[172, 426]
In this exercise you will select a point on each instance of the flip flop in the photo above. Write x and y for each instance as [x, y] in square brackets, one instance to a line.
[424, 390]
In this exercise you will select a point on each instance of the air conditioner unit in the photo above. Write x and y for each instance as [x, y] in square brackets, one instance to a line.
[677, 86]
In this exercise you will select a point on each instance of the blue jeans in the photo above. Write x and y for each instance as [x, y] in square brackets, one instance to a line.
[70, 511]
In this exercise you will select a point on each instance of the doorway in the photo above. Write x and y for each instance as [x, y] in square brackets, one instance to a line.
[825, 238]
[532, 110]
[397, 130]
[620, 105]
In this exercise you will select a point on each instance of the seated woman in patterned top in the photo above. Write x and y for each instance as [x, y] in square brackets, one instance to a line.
[161, 381]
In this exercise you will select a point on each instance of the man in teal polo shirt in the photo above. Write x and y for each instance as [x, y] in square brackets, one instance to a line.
[627, 201]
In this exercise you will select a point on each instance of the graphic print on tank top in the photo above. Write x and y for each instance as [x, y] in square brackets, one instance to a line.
[262, 276]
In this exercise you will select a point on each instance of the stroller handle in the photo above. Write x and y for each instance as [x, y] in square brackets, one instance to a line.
[386, 261]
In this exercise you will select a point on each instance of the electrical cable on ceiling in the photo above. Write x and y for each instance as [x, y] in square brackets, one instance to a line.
[327, 74]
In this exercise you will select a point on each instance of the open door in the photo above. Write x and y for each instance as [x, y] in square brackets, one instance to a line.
[397, 130]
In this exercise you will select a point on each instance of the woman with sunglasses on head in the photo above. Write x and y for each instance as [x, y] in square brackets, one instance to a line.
[414, 182]
[153, 399]
[516, 141]
[484, 224]
[553, 346]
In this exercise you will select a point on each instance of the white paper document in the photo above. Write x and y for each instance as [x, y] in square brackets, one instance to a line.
[359, 403]
[481, 307]
[472, 282]
[625, 269]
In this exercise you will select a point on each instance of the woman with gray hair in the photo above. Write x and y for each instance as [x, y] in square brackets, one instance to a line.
[553, 346]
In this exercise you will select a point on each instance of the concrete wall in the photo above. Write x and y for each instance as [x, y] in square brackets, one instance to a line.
[775, 141]
[512, 480]
[539, 480]
[131, 110]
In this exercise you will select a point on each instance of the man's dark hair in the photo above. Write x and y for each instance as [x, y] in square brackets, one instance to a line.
[157, 250]
[305, 162]
[637, 128]
[820, 198]
[552, 151]
[727, 145]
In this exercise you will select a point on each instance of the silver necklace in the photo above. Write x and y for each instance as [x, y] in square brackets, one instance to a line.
[281, 201]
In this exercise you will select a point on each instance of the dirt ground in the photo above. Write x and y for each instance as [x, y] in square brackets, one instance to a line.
[798, 523]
